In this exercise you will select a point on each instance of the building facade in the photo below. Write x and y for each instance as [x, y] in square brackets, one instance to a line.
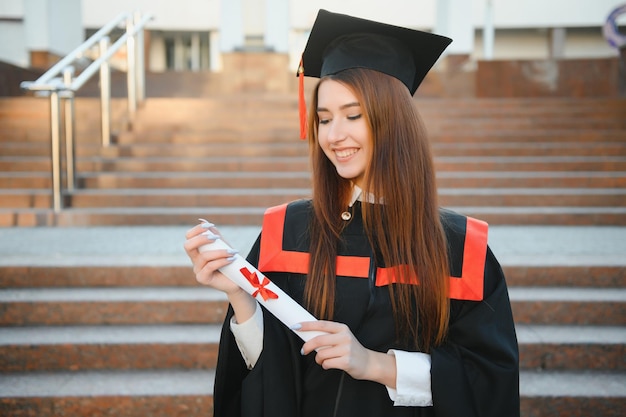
[194, 35]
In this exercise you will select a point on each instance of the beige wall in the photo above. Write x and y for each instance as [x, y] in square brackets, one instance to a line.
[521, 26]
[169, 14]
[533, 44]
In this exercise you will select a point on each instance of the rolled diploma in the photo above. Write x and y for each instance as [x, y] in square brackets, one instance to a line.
[284, 307]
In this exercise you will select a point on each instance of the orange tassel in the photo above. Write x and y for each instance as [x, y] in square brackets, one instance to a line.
[302, 103]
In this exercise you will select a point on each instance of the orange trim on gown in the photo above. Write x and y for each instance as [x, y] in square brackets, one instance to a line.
[469, 286]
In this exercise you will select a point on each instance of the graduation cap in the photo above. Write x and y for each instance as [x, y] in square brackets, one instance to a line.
[338, 42]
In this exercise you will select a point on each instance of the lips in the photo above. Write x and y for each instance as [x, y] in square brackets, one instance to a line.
[345, 153]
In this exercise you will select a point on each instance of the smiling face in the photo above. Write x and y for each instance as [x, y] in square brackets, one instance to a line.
[343, 133]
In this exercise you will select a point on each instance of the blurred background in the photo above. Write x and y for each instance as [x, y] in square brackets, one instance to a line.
[124, 121]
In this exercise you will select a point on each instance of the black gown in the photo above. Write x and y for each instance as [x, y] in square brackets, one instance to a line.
[474, 373]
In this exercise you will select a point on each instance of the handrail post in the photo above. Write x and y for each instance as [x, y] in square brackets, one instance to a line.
[64, 88]
[131, 76]
[55, 151]
[105, 94]
[140, 59]
[70, 160]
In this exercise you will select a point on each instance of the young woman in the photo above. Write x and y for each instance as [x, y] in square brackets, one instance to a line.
[413, 304]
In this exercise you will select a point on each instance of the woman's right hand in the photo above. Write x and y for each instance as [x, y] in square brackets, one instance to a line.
[206, 264]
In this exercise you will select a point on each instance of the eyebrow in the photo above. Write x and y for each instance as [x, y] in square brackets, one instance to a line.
[342, 107]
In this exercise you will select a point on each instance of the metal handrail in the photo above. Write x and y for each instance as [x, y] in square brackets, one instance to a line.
[65, 86]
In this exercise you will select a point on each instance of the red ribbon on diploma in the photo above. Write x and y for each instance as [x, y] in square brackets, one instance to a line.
[260, 286]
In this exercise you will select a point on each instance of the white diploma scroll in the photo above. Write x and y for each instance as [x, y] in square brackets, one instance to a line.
[268, 294]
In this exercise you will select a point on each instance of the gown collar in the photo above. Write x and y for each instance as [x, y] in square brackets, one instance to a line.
[357, 195]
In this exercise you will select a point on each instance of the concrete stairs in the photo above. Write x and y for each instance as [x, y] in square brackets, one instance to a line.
[508, 161]
[141, 340]
[106, 319]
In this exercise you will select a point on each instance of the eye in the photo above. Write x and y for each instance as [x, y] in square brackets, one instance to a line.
[355, 117]
[324, 118]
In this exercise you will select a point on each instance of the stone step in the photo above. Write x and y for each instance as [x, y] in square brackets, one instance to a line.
[438, 115]
[111, 347]
[206, 113]
[81, 348]
[186, 138]
[163, 393]
[261, 116]
[63, 306]
[28, 106]
[541, 107]
[563, 216]
[518, 106]
[169, 305]
[23, 198]
[605, 197]
[163, 180]
[543, 116]
[537, 276]
[543, 111]
[88, 134]
[217, 164]
[550, 347]
[288, 117]
[240, 216]
[523, 105]
[567, 121]
[38, 123]
[572, 393]
[301, 179]
[534, 179]
[134, 274]
[535, 136]
[246, 197]
[252, 216]
[207, 180]
[231, 106]
[444, 111]
[519, 149]
[533, 255]
[300, 148]
[267, 197]
[154, 393]
[583, 306]
[13, 180]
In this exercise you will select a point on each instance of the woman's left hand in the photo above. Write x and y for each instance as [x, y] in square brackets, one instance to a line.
[339, 349]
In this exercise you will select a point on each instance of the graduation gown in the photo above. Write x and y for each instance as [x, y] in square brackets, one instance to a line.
[474, 373]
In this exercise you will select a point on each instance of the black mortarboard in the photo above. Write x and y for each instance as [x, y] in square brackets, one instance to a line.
[338, 42]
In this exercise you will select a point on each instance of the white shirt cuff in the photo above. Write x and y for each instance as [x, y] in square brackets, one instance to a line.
[249, 337]
[413, 387]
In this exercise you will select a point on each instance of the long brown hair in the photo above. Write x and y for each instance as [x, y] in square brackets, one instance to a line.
[406, 229]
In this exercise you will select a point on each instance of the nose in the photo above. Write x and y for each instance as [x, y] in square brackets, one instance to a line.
[336, 132]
